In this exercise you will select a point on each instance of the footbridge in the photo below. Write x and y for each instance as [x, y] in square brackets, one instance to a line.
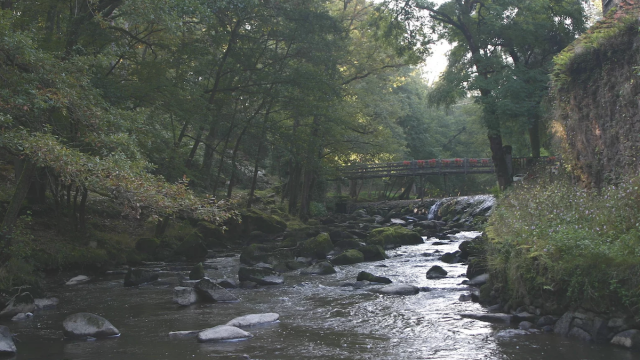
[437, 167]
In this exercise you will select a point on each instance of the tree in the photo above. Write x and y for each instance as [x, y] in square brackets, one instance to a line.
[497, 43]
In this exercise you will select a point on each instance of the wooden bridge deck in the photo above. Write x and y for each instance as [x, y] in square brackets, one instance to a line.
[435, 167]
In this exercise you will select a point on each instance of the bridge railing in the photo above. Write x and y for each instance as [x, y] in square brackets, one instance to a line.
[433, 167]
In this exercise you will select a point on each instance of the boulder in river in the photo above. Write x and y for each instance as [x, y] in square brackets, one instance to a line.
[255, 253]
[80, 279]
[138, 276]
[436, 272]
[221, 333]
[321, 268]
[401, 289]
[259, 276]
[363, 275]
[7, 347]
[209, 291]
[373, 253]
[629, 339]
[348, 257]
[184, 296]
[393, 237]
[227, 284]
[197, 272]
[317, 247]
[478, 280]
[256, 220]
[450, 258]
[21, 303]
[184, 334]
[82, 325]
[22, 317]
[193, 248]
[254, 319]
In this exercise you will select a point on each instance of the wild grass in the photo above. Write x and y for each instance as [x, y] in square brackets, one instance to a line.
[551, 241]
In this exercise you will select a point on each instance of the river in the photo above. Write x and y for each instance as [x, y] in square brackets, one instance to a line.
[319, 319]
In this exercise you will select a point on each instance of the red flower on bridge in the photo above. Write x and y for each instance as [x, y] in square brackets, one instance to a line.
[458, 161]
[446, 162]
[432, 162]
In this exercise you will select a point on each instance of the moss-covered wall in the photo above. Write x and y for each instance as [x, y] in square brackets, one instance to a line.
[597, 98]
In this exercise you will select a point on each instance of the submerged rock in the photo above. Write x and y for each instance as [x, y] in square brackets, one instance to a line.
[137, 277]
[21, 303]
[223, 332]
[254, 319]
[184, 334]
[510, 333]
[492, 318]
[259, 276]
[184, 296]
[80, 279]
[401, 289]
[7, 347]
[46, 304]
[436, 272]
[321, 268]
[82, 325]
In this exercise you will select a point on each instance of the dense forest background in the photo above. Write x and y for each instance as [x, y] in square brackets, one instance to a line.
[186, 108]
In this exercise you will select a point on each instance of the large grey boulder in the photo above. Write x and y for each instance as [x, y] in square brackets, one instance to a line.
[80, 279]
[209, 291]
[254, 319]
[629, 339]
[563, 325]
[321, 268]
[184, 296]
[222, 332]
[82, 325]
[401, 289]
[7, 347]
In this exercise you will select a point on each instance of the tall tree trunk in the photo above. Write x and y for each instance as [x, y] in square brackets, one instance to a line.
[293, 186]
[499, 161]
[534, 138]
[82, 211]
[223, 152]
[234, 155]
[161, 226]
[11, 216]
[254, 178]
[182, 134]
[305, 197]
[194, 148]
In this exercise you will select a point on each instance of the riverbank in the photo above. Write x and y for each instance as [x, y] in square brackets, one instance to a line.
[570, 252]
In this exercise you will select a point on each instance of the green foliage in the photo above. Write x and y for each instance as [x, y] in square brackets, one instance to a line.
[550, 240]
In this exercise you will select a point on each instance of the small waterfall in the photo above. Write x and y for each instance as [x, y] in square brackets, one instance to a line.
[434, 209]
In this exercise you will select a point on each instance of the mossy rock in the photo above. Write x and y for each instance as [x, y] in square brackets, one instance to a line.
[317, 247]
[213, 236]
[255, 220]
[197, 272]
[348, 257]
[254, 254]
[147, 245]
[394, 236]
[373, 253]
[347, 244]
[365, 276]
[193, 248]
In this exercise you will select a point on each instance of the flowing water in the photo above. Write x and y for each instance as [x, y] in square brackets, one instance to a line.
[319, 319]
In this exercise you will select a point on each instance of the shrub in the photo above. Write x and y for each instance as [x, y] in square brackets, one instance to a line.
[551, 241]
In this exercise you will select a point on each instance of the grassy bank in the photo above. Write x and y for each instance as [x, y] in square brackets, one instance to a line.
[554, 245]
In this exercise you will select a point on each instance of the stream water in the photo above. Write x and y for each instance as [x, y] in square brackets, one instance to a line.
[319, 319]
